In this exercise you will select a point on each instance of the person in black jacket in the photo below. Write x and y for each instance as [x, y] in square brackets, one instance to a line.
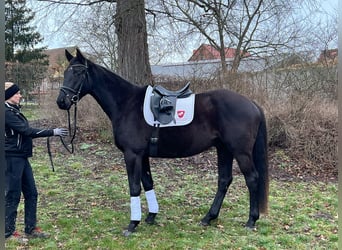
[18, 174]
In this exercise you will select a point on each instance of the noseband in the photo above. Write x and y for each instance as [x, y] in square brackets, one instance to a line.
[74, 100]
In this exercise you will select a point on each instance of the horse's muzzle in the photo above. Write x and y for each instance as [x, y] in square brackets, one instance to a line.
[63, 101]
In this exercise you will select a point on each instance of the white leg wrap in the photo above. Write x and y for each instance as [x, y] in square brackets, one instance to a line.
[152, 201]
[135, 208]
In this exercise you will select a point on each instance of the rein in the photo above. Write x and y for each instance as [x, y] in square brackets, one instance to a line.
[74, 100]
[70, 150]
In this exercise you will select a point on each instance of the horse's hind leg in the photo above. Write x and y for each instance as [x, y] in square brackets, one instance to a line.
[225, 161]
[251, 177]
[151, 198]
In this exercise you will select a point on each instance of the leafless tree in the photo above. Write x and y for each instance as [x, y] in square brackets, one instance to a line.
[93, 30]
[252, 27]
[128, 17]
[325, 34]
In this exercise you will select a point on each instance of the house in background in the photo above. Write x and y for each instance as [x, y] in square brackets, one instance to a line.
[208, 52]
[328, 56]
[56, 60]
[57, 65]
[204, 63]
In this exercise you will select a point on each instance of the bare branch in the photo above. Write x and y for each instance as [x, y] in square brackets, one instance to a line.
[79, 3]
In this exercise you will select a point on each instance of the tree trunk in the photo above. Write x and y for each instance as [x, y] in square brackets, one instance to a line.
[130, 23]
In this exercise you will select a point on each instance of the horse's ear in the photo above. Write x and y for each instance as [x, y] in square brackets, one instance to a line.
[68, 55]
[80, 56]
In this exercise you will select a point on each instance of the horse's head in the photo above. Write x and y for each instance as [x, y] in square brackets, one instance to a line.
[75, 77]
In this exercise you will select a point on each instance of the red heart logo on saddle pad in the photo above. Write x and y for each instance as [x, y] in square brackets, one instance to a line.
[180, 113]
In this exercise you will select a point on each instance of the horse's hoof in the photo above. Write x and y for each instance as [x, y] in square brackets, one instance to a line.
[204, 223]
[250, 224]
[150, 219]
[251, 228]
[131, 228]
[127, 233]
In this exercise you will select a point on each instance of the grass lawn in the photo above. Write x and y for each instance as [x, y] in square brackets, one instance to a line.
[85, 205]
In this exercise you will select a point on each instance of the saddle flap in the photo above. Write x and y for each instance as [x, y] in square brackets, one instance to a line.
[163, 108]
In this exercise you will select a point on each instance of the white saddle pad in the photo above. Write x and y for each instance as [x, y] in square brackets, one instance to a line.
[184, 113]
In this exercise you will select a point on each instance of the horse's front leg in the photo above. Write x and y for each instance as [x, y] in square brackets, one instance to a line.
[134, 170]
[151, 198]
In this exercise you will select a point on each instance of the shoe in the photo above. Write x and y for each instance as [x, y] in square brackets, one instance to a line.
[37, 233]
[17, 237]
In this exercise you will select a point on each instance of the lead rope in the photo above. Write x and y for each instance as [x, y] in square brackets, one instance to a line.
[49, 152]
[71, 151]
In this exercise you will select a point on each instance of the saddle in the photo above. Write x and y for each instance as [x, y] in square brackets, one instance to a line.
[163, 102]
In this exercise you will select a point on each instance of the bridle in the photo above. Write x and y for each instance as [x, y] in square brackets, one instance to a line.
[74, 100]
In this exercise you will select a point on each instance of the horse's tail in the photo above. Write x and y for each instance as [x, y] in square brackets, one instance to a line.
[260, 158]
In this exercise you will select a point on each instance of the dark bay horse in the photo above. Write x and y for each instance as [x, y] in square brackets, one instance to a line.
[231, 123]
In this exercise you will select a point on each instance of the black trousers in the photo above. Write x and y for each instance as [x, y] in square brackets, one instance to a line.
[19, 179]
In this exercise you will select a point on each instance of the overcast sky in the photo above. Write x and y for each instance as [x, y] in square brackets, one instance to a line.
[56, 38]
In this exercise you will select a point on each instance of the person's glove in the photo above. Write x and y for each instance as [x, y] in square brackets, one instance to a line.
[60, 132]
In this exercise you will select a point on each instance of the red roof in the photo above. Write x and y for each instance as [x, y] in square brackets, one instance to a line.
[208, 52]
[328, 55]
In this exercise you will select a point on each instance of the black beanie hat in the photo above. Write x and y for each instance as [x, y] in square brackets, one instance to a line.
[11, 91]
